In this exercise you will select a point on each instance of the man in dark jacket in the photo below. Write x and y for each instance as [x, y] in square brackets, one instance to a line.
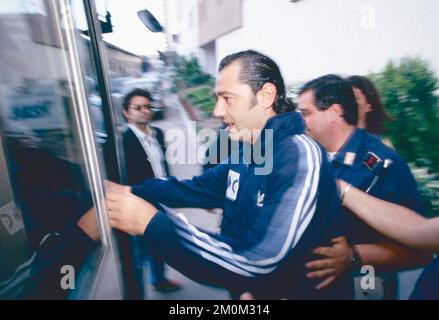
[144, 150]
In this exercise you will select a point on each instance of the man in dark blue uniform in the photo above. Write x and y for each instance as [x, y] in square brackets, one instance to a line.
[275, 211]
[330, 111]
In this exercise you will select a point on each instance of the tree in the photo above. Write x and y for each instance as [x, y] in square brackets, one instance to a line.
[408, 93]
[189, 73]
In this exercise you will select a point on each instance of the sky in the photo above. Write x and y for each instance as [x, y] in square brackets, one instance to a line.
[129, 32]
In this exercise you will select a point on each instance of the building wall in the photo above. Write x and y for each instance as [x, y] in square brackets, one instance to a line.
[313, 37]
[187, 16]
[207, 58]
[123, 64]
[217, 18]
[39, 47]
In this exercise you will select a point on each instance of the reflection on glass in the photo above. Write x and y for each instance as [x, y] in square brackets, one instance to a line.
[44, 183]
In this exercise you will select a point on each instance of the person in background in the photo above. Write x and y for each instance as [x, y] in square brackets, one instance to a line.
[144, 151]
[371, 113]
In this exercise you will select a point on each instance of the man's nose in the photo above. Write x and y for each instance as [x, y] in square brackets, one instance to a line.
[219, 110]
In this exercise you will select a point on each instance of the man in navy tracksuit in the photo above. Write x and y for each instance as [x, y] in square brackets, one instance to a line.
[275, 211]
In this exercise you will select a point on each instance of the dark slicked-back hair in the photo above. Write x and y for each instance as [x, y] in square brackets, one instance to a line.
[258, 69]
[331, 89]
[135, 93]
[377, 116]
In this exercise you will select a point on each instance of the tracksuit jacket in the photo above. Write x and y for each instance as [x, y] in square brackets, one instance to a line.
[270, 224]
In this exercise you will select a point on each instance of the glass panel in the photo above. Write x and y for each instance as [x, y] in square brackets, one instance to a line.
[102, 117]
[89, 69]
[47, 177]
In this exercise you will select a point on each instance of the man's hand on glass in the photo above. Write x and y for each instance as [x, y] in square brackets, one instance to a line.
[126, 211]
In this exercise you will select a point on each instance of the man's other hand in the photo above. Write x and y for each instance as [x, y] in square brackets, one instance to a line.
[335, 261]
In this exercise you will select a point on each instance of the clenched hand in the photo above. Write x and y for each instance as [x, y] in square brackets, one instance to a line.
[126, 211]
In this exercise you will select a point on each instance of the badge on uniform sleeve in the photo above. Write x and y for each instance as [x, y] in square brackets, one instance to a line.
[349, 158]
[232, 185]
[372, 161]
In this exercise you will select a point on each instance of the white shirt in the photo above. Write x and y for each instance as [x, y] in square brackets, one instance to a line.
[152, 149]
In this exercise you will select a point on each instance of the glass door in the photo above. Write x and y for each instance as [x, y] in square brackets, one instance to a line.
[55, 240]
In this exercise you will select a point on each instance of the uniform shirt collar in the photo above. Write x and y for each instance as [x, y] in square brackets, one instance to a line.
[350, 150]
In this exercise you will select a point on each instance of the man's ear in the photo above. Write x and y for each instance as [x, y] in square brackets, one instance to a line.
[267, 94]
[125, 113]
[336, 111]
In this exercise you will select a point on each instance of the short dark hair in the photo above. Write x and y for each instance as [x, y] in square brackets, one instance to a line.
[258, 69]
[377, 116]
[135, 93]
[330, 89]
